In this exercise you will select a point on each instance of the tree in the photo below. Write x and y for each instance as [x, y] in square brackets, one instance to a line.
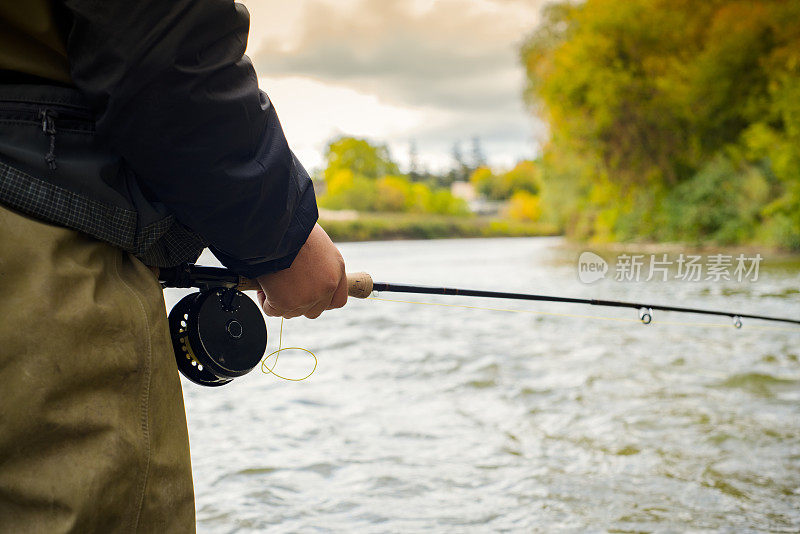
[359, 157]
[413, 161]
[478, 156]
[483, 180]
[524, 206]
[460, 170]
[525, 176]
[642, 96]
[361, 176]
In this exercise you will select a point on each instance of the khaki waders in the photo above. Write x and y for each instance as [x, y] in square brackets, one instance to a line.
[92, 425]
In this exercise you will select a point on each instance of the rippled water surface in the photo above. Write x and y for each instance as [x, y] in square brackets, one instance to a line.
[438, 419]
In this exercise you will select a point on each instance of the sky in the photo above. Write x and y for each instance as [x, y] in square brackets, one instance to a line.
[431, 72]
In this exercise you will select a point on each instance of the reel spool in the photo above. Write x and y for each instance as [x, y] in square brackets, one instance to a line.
[218, 334]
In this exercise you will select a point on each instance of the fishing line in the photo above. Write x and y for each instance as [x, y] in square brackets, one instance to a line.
[271, 370]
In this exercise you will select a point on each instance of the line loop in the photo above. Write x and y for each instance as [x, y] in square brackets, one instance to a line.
[271, 370]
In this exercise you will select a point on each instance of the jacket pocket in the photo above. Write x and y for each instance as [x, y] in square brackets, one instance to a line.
[50, 117]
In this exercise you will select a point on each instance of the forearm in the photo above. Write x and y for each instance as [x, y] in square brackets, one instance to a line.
[176, 97]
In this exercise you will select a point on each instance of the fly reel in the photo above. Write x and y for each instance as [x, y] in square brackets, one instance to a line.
[218, 334]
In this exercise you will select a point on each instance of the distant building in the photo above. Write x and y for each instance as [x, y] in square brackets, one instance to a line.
[476, 204]
[464, 190]
[481, 206]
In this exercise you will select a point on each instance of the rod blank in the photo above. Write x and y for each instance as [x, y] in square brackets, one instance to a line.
[450, 291]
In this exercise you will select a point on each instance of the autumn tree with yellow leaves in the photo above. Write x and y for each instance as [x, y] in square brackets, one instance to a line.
[670, 119]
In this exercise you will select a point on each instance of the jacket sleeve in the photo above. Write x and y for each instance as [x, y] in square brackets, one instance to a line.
[176, 96]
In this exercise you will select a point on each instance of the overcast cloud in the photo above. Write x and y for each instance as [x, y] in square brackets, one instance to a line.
[451, 66]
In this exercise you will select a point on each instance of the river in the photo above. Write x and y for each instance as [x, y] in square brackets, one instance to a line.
[443, 419]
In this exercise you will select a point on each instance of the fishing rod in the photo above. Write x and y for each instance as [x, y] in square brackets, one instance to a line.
[219, 334]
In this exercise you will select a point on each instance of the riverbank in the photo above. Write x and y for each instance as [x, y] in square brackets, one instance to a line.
[392, 226]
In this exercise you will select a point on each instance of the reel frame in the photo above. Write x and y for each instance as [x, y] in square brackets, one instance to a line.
[218, 333]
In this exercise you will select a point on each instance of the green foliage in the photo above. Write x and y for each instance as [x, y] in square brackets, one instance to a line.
[524, 206]
[374, 226]
[525, 176]
[442, 201]
[347, 190]
[670, 119]
[394, 194]
[721, 202]
[359, 157]
[362, 177]
[483, 180]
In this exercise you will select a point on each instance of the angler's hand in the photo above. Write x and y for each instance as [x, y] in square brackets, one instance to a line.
[315, 282]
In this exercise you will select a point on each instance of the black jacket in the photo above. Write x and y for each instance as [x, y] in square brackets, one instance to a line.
[172, 94]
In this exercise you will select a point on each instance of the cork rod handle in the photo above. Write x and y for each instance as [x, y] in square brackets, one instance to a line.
[248, 284]
[359, 285]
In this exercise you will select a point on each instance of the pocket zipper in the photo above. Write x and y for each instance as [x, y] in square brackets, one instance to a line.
[49, 128]
[47, 114]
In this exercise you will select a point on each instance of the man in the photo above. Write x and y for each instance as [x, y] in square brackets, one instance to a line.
[131, 134]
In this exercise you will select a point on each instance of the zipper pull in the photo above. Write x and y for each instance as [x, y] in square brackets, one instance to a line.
[49, 128]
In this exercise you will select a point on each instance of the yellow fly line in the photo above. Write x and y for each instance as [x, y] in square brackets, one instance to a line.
[271, 370]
